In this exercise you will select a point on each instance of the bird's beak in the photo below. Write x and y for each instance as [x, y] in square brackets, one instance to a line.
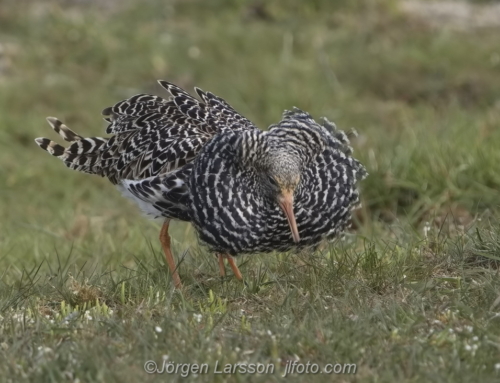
[285, 200]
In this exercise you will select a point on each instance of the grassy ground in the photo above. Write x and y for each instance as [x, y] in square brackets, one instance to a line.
[413, 294]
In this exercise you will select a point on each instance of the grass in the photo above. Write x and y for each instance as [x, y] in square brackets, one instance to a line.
[411, 295]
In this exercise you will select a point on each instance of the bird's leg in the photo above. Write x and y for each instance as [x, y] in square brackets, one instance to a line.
[233, 265]
[222, 268]
[165, 243]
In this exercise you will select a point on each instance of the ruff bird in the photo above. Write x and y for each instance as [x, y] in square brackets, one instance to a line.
[245, 190]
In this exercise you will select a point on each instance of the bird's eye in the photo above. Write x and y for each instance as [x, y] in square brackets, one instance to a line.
[272, 181]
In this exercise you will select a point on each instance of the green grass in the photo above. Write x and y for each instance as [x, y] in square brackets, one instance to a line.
[411, 295]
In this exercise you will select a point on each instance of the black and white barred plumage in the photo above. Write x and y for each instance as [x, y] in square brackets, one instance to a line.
[201, 161]
[233, 186]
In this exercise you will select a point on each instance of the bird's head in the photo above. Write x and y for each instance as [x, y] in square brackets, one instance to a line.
[278, 157]
[279, 179]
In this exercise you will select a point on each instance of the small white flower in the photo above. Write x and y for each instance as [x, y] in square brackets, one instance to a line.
[158, 329]
[426, 229]
[497, 366]
[469, 328]
[165, 357]
[44, 350]
[468, 347]
[475, 339]
[197, 317]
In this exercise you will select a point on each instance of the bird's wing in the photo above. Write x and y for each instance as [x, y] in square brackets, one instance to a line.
[155, 136]
[150, 135]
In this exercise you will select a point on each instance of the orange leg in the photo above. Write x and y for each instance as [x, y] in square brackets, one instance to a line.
[165, 243]
[233, 265]
[221, 265]
[222, 268]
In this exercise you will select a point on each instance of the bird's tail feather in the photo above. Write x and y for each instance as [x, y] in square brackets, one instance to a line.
[84, 154]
